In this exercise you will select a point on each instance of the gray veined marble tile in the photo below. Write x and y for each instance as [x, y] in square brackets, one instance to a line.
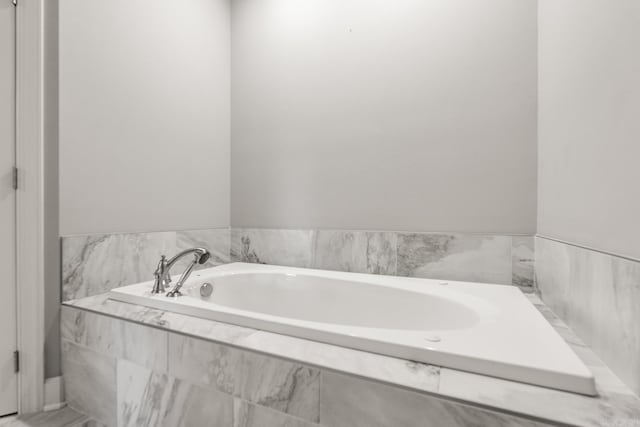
[93, 423]
[625, 323]
[215, 240]
[352, 402]
[246, 414]
[407, 373]
[355, 251]
[561, 407]
[115, 337]
[147, 398]
[90, 382]
[137, 313]
[278, 247]
[597, 295]
[523, 262]
[278, 384]
[553, 274]
[98, 263]
[204, 328]
[211, 329]
[472, 258]
[615, 398]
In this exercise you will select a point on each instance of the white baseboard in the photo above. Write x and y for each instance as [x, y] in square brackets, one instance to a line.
[53, 393]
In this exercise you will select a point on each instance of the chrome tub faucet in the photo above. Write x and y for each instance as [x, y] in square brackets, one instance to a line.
[163, 276]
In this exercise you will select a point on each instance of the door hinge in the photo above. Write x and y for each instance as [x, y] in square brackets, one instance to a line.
[15, 2]
[15, 178]
[16, 361]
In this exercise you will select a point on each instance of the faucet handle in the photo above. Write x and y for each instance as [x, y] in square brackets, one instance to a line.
[165, 278]
[162, 264]
[159, 284]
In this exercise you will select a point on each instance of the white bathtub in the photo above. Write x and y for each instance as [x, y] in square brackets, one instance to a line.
[486, 329]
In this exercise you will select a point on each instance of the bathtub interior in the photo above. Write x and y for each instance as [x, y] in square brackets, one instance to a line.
[337, 301]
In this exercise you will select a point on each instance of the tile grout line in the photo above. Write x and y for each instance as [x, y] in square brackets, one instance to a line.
[511, 259]
[588, 248]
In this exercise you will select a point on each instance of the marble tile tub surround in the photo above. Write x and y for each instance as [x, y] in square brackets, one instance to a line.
[598, 296]
[498, 259]
[212, 384]
[93, 264]
[285, 373]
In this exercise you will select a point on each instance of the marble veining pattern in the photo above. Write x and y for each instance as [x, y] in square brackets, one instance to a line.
[616, 399]
[418, 376]
[93, 264]
[246, 414]
[167, 320]
[97, 263]
[523, 262]
[616, 404]
[215, 240]
[148, 399]
[472, 258]
[90, 382]
[576, 284]
[93, 423]
[288, 387]
[291, 248]
[598, 296]
[350, 402]
[115, 337]
[355, 251]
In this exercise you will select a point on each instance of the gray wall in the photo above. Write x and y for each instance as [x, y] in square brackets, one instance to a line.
[403, 115]
[144, 115]
[589, 123]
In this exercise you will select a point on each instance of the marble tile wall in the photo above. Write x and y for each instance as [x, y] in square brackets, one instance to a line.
[469, 257]
[90, 382]
[281, 385]
[616, 404]
[351, 402]
[206, 383]
[150, 398]
[284, 247]
[94, 264]
[598, 296]
[97, 263]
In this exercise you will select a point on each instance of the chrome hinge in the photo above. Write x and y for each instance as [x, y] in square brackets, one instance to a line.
[15, 178]
[15, 2]
[16, 361]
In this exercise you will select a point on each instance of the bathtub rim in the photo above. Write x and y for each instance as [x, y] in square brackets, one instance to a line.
[574, 376]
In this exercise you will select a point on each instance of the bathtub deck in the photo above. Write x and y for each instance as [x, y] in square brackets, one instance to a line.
[615, 403]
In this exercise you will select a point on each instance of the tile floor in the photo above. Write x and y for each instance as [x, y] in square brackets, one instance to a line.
[64, 417]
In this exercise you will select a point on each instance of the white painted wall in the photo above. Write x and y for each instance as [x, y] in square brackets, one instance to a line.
[589, 125]
[378, 114]
[144, 115]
